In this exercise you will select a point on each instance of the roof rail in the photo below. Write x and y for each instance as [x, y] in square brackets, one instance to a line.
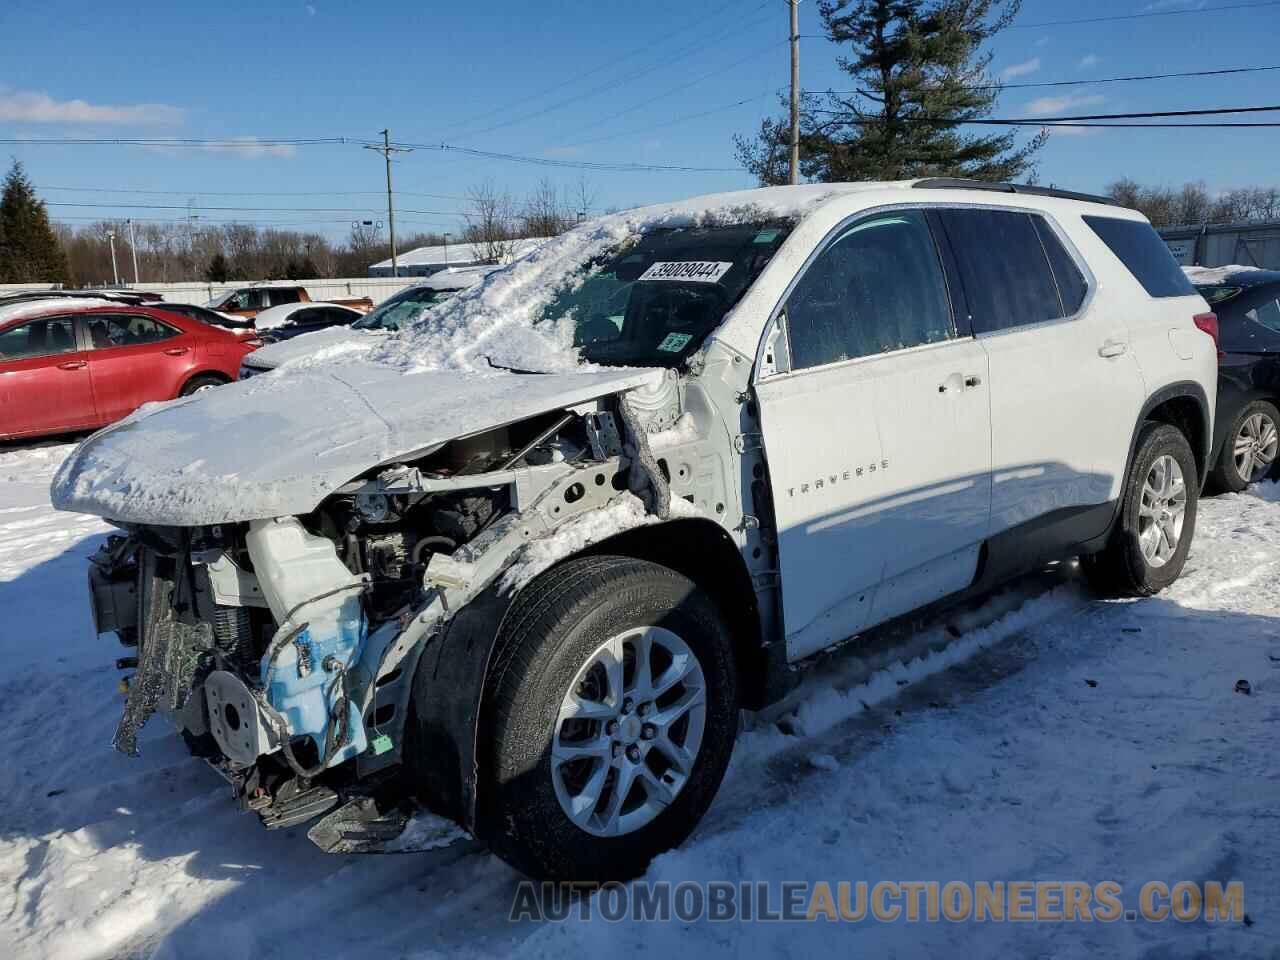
[963, 183]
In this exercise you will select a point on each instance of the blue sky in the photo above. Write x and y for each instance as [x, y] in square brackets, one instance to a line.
[564, 80]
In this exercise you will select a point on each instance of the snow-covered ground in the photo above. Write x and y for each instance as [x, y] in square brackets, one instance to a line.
[1058, 737]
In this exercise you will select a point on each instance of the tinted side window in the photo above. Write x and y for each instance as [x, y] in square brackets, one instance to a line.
[281, 295]
[1144, 254]
[1267, 314]
[38, 338]
[877, 287]
[1071, 283]
[1007, 279]
[126, 331]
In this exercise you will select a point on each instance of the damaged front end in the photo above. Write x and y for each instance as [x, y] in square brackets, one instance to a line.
[285, 650]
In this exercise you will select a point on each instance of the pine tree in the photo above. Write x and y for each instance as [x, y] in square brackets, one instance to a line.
[918, 72]
[29, 250]
[218, 270]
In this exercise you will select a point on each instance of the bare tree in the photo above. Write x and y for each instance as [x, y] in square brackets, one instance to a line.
[490, 220]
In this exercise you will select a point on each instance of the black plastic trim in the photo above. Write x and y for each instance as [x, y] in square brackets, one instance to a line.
[962, 183]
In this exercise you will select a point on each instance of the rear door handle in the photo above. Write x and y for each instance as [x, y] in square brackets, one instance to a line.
[72, 365]
[176, 351]
[1112, 348]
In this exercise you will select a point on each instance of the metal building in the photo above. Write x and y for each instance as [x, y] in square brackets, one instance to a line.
[1224, 244]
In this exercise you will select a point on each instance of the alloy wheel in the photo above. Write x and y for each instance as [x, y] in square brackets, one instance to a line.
[1163, 511]
[1255, 447]
[628, 731]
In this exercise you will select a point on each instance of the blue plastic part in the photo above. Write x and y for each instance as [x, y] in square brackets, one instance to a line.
[305, 683]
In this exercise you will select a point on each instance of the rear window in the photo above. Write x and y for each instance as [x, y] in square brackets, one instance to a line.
[1145, 255]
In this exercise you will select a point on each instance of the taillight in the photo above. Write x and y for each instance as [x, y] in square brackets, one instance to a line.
[1208, 322]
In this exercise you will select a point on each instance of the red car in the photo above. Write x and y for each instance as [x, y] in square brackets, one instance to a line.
[67, 367]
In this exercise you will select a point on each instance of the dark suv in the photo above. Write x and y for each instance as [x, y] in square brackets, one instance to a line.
[1245, 441]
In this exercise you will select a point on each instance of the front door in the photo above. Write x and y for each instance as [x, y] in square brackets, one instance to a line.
[44, 379]
[877, 435]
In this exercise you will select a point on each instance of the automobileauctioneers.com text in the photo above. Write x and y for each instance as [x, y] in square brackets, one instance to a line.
[885, 901]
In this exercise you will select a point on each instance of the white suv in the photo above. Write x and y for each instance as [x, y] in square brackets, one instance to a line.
[528, 563]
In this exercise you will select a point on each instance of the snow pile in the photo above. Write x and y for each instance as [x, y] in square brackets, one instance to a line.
[1205, 276]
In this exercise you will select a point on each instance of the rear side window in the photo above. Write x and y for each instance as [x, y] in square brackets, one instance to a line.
[1006, 274]
[126, 331]
[279, 295]
[1071, 283]
[1144, 254]
[877, 287]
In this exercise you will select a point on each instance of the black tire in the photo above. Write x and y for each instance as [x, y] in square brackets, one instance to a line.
[550, 633]
[1121, 569]
[1225, 475]
[202, 382]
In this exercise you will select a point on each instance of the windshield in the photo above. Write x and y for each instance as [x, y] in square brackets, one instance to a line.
[652, 301]
[404, 307]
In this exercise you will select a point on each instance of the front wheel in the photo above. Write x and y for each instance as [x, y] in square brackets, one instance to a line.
[1157, 521]
[612, 710]
[1249, 452]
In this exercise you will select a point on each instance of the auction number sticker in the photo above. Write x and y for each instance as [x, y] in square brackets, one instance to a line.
[674, 342]
[699, 271]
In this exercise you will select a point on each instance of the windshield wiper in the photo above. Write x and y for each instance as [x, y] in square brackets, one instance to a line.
[499, 366]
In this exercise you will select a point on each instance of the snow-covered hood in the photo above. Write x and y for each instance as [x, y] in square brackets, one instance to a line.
[278, 445]
[319, 345]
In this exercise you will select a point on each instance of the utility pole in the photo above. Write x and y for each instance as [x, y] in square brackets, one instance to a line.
[133, 248]
[794, 176]
[111, 239]
[387, 150]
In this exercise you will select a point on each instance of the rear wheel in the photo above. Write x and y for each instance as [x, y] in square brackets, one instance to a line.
[1249, 451]
[612, 711]
[200, 384]
[1148, 548]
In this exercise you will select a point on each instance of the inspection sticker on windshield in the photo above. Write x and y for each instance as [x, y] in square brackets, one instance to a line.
[674, 342]
[699, 271]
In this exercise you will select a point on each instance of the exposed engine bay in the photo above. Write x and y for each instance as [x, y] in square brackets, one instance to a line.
[285, 648]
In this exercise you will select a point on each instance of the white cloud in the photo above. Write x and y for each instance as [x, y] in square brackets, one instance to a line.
[1042, 106]
[1021, 69]
[251, 148]
[1088, 61]
[30, 106]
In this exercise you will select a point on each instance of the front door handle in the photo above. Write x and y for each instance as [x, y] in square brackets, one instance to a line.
[1112, 348]
[72, 365]
[176, 351]
[972, 380]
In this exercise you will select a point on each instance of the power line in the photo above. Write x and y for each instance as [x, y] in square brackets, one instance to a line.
[576, 78]
[183, 206]
[1141, 16]
[700, 45]
[1075, 83]
[253, 193]
[603, 165]
[772, 44]
[670, 123]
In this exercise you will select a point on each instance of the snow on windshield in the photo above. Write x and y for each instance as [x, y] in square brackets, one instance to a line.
[494, 324]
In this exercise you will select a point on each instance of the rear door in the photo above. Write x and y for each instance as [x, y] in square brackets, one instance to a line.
[136, 359]
[876, 434]
[44, 379]
[1065, 389]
